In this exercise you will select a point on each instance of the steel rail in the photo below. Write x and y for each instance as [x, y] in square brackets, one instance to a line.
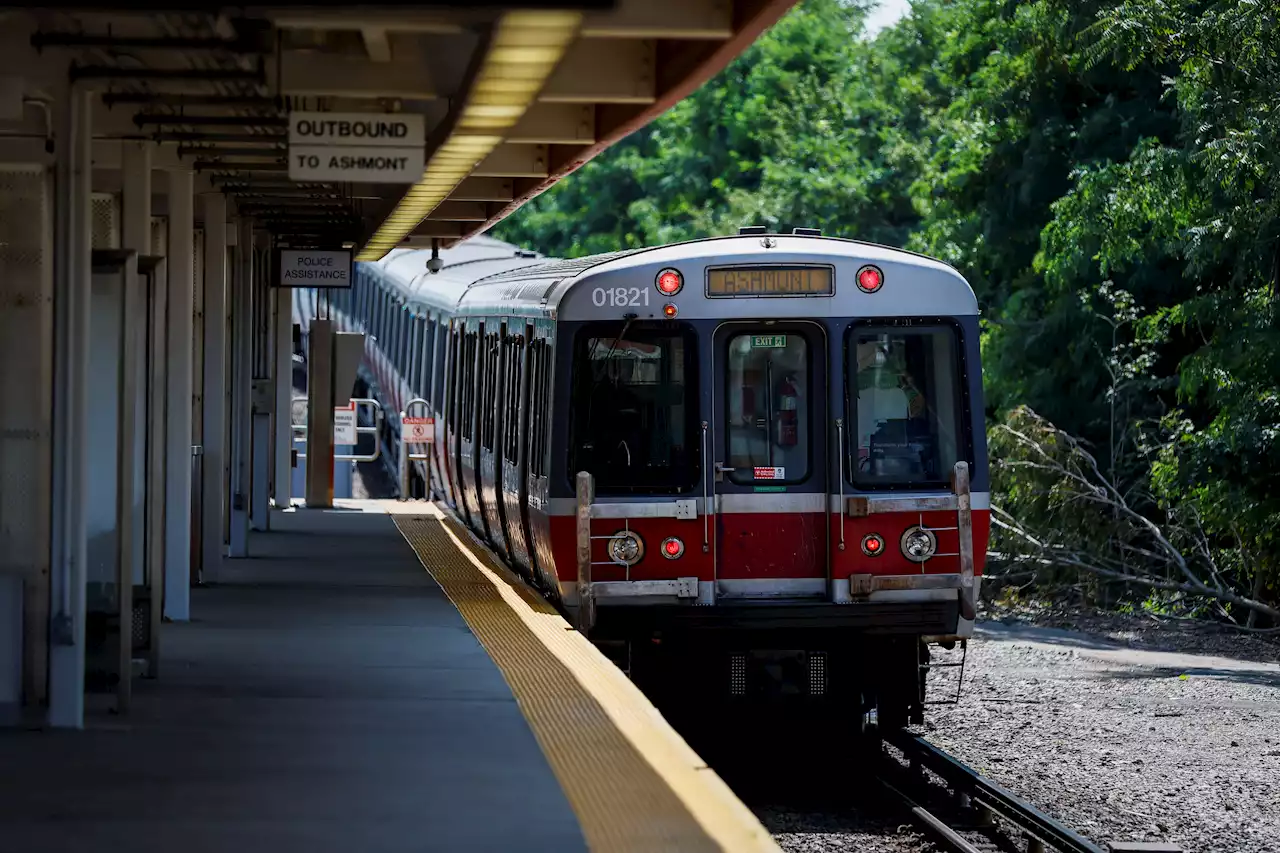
[982, 791]
[942, 833]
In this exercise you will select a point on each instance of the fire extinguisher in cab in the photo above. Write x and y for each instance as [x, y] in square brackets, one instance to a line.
[788, 419]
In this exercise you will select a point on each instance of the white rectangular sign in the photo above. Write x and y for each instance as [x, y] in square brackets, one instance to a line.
[376, 148]
[395, 130]
[344, 426]
[418, 430]
[315, 268]
[367, 164]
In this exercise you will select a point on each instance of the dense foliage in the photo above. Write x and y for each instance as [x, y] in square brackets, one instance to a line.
[1106, 173]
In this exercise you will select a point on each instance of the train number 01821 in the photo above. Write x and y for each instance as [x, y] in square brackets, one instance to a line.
[620, 297]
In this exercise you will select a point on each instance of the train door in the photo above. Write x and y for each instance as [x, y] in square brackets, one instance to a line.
[769, 381]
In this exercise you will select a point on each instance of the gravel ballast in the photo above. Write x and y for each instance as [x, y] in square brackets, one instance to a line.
[1127, 732]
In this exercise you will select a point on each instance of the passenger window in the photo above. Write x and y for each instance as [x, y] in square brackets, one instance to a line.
[487, 387]
[537, 398]
[468, 383]
[767, 403]
[515, 351]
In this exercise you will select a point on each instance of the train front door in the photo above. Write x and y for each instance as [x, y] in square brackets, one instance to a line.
[770, 452]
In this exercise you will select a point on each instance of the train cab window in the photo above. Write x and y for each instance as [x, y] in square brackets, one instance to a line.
[635, 418]
[905, 399]
[768, 406]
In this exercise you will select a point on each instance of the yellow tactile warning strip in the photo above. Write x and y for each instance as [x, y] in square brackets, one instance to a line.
[632, 781]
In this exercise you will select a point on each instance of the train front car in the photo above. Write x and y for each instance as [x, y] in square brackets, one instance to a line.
[785, 438]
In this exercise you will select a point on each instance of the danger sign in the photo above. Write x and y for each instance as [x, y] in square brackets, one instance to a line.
[418, 430]
[770, 474]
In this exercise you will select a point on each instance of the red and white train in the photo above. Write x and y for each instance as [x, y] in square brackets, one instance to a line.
[784, 432]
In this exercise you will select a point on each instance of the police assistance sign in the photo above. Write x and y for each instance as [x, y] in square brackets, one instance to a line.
[314, 268]
[375, 148]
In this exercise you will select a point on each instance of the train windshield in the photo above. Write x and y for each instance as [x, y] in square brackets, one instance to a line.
[634, 423]
[905, 403]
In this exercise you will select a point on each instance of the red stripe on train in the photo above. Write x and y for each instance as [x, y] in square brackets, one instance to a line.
[768, 546]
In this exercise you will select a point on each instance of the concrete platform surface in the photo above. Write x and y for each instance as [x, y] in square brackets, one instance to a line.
[327, 696]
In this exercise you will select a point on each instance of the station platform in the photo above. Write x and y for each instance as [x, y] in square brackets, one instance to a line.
[369, 679]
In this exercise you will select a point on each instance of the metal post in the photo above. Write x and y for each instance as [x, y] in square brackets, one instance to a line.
[136, 235]
[586, 595]
[283, 429]
[320, 414]
[72, 270]
[157, 462]
[214, 393]
[126, 542]
[242, 388]
[964, 514]
[181, 277]
[403, 463]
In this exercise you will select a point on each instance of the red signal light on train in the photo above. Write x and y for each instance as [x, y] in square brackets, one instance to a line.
[670, 281]
[672, 548]
[872, 544]
[870, 279]
[670, 311]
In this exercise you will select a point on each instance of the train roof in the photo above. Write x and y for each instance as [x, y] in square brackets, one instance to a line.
[487, 276]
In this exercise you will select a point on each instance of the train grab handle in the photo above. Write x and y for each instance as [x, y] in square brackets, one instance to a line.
[964, 521]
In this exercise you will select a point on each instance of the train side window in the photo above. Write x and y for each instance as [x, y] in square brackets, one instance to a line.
[487, 386]
[468, 374]
[439, 359]
[537, 396]
[426, 353]
[511, 427]
[905, 397]
[634, 424]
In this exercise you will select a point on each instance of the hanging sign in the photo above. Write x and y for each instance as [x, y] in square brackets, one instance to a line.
[374, 148]
[344, 425]
[418, 430]
[315, 268]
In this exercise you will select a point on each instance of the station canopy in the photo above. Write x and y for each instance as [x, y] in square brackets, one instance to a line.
[439, 119]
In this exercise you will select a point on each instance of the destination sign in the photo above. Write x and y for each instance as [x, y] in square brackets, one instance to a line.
[770, 281]
[383, 148]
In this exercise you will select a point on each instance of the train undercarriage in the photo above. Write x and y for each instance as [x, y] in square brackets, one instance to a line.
[855, 670]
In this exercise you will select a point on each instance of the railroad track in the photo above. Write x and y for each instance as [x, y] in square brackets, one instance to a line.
[975, 806]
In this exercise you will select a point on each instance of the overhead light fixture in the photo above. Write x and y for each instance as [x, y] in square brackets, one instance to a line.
[526, 48]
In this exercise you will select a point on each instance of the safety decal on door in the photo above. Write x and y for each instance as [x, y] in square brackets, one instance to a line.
[770, 474]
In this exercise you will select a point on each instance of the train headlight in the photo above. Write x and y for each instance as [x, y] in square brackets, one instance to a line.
[872, 545]
[918, 544]
[672, 548]
[670, 282]
[626, 547]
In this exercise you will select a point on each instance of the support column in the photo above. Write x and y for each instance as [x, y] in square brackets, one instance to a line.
[320, 414]
[214, 447]
[181, 270]
[263, 392]
[284, 395]
[72, 270]
[131, 482]
[242, 388]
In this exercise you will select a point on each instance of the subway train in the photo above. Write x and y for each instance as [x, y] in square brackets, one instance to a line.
[771, 446]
